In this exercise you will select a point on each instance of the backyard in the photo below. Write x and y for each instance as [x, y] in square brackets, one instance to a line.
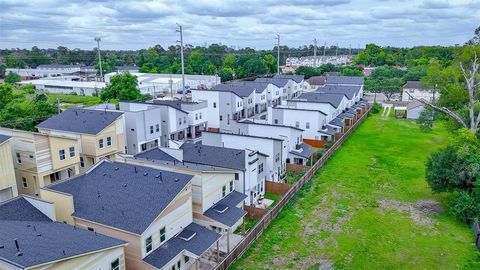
[369, 207]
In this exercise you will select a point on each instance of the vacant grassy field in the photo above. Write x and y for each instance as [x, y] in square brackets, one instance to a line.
[369, 208]
[74, 100]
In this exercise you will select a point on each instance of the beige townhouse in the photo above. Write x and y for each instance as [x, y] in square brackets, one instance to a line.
[31, 238]
[8, 183]
[150, 209]
[100, 133]
[41, 159]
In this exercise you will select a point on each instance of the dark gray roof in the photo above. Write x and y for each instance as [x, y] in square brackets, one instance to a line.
[357, 80]
[413, 84]
[275, 81]
[241, 90]
[121, 195]
[81, 121]
[58, 66]
[317, 80]
[414, 104]
[348, 90]
[202, 240]
[266, 124]
[19, 209]
[306, 152]
[232, 214]
[213, 155]
[244, 135]
[328, 130]
[332, 99]
[40, 239]
[4, 138]
[346, 115]
[259, 87]
[156, 154]
[177, 104]
[337, 122]
[296, 78]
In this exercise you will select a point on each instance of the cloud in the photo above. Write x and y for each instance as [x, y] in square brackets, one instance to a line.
[139, 24]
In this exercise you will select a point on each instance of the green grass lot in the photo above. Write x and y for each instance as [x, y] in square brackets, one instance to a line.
[359, 212]
[74, 100]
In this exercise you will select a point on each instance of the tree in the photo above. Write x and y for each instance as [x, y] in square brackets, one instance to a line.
[121, 87]
[254, 67]
[433, 77]
[456, 168]
[387, 86]
[425, 120]
[12, 78]
[476, 37]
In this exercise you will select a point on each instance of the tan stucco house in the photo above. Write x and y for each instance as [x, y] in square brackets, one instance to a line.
[8, 184]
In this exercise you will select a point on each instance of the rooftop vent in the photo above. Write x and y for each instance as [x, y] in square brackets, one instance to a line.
[145, 173]
[176, 179]
[116, 168]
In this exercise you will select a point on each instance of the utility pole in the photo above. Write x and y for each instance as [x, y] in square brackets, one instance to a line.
[180, 30]
[336, 49]
[98, 39]
[324, 48]
[278, 53]
[314, 52]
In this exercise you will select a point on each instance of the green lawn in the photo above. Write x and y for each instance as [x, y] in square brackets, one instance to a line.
[74, 100]
[360, 211]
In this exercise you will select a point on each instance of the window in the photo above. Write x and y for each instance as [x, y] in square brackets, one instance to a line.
[157, 127]
[221, 118]
[90, 229]
[231, 186]
[214, 104]
[260, 168]
[184, 120]
[143, 146]
[148, 244]
[163, 235]
[19, 158]
[297, 124]
[196, 116]
[61, 153]
[186, 259]
[236, 176]
[100, 143]
[307, 125]
[24, 182]
[275, 121]
[224, 191]
[72, 151]
[109, 141]
[115, 265]
[82, 162]
[173, 267]
[179, 121]
[179, 264]
[200, 115]
[151, 129]
[277, 157]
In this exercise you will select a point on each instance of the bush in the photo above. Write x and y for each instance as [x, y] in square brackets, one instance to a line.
[465, 207]
[376, 108]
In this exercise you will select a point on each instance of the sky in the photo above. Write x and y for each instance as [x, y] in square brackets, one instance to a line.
[128, 24]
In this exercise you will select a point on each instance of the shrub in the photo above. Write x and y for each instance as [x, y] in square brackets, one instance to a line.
[376, 108]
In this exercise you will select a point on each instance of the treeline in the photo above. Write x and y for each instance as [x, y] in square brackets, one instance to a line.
[229, 63]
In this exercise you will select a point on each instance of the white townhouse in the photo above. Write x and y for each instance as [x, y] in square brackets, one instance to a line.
[278, 92]
[53, 70]
[242, 170]
[330, 104]
[298, 152]
[413, 90]
[295, 86]
[275, 150]
[313, 122]
[223, 106]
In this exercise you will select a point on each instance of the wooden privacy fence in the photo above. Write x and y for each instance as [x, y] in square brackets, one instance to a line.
[267, 218]
[275, 187]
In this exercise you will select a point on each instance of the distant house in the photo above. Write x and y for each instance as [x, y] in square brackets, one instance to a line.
[414, 109]
[100, 133]
[53, 70]
[151, 209]
[32, 238]
[62, 86]
[413, 90]
[315, 82]
[8, 183]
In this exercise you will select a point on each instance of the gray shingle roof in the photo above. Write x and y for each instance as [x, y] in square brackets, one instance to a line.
[328, 130]
[4, 138]
[259, 87]
[122, 195]
[201, 242]
[296, 78]
[213, 155]
[346, 115]
[348, 90]
[275, 81]
[333, 99]
[357, 80]
[241, 90]
[81, 121]
[413, 84]
[337, 122]
[233, 214]
[414, 104]
[156, 154]
[317, 80]
[42, 240]
[306, 152]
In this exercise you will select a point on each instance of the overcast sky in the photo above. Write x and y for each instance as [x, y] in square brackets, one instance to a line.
[141, 24]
